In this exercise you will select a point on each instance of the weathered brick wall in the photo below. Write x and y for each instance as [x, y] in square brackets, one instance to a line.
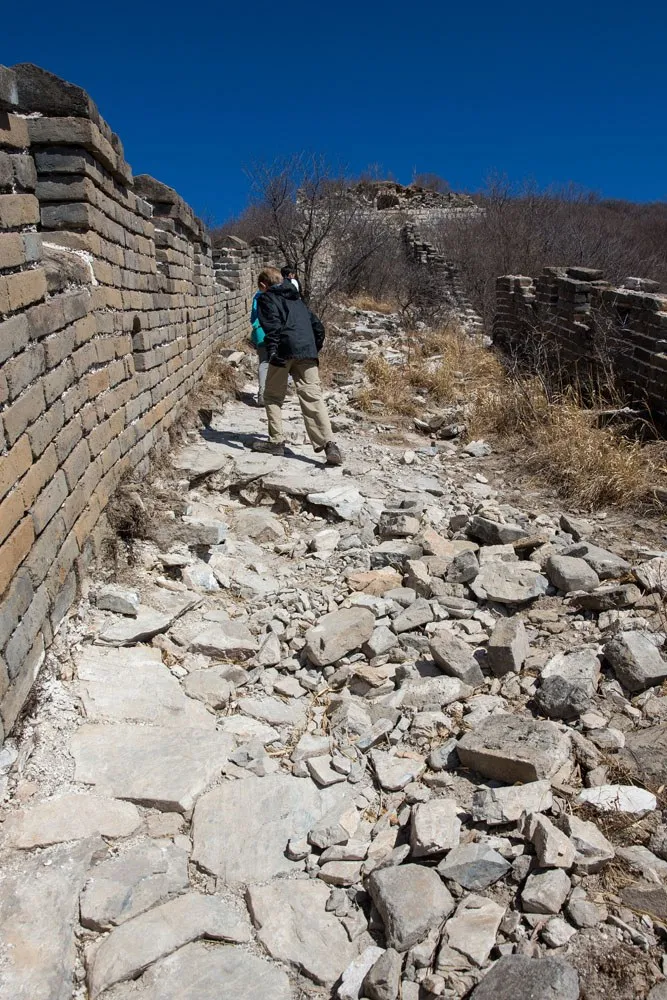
[425, 253]
[582, 327]
[111, 305]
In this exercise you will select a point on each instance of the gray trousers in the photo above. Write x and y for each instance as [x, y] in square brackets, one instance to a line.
[263, 358]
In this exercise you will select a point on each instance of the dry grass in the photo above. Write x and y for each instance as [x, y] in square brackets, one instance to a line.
[389, 389]
[334, 359]
[370, 304]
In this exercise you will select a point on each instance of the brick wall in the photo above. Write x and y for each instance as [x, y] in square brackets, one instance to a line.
[111, 305]
[582, 327]
[424, 253]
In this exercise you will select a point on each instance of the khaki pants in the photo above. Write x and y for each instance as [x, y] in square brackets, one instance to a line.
[306, 377]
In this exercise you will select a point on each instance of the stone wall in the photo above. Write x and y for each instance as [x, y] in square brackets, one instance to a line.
[111, 306]
[424, 253]
[582, 327]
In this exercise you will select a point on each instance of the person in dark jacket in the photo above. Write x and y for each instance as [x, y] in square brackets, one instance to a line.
[293, 336]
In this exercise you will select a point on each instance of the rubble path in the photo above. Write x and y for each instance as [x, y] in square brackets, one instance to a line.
[369, 732]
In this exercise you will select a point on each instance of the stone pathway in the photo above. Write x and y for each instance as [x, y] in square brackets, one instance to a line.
[365, 732]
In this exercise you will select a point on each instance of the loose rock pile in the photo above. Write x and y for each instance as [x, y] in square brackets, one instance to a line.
[361, 733]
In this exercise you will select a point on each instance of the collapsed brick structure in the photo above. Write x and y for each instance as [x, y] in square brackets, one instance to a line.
[576, 323]
[111, 305]
[424, 253]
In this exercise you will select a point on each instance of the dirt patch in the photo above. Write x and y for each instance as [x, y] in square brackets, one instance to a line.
[611, 970]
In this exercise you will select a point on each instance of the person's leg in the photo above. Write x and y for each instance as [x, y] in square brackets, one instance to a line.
[274, 397]
[306, 375]
[263, 368]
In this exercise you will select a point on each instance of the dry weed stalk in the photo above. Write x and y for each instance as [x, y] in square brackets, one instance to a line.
[369, 303]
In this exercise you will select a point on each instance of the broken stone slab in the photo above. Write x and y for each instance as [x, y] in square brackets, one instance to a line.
[649, 864]
[136, 944]
[606, 564]
[245, 729]
[474, 927]
[69, 817]
[310, 745]
[202, 459]
[508, 646]
[567, 573]
[354, 975]
[474, 866]
[383, 979]
[294, 926]
[509, 583]
[39, 901]
[111, 597]
[553, 848]
[489, 532]
[557, 933]
[652, 575]
[322, 773]
[607, 597]
[452, 655]
[417, 614]
[645, 755]
[377, 582]
[210, 685]
[619, 798]
[593, 850]
[412, 900]
[345, 501]
[204, 968]
[497, 806]
[259, 524]
[269, 654]
[336, 826]
[635, 660]
[545, 891]
[338, 633]
[380, 642]
[516, 977]
[646, 897]
[141, 628]
[124, 886]
[241, 828]
[432, 693]
[166, 768]
[397, 524]
[274, 711]
[514, 748]
[203, 530]
[133, 685]
[325, 541]
[198, 575]
[394, 773]
[568, 683]
[435, 827]
[463, 568]
[394, 553]
[225, 640]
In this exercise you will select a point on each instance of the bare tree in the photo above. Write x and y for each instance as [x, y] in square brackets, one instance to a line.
[432, 182]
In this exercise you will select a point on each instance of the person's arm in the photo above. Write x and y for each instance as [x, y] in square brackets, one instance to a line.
[271, 322]
[318, 330]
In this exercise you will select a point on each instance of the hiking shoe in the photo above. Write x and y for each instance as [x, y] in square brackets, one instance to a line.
[332, 452]
[206, 416]
[269, 447]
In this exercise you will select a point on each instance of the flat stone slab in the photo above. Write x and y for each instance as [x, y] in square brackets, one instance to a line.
[39, 904]
[204, 972]
[411, 900]
[496, 806]
[127, 631]
[294, 926]
[514, 748]
[123, 887]
[338, 633]
[202, 459]
[241, 828]
[273, 711]
[473, 929]
[69, 817]
[150, 765]
[520, 978]
[509, 583]
[133, 685]
[136, 944]
[226, 640]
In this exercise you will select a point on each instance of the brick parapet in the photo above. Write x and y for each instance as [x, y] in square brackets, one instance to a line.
[112, 303]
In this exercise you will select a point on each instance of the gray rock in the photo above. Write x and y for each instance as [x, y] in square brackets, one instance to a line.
[607, 597]
[568, 683]
[274, 711]
[509, 583]
[545, 891]
[496, 806]
[354, 975]
[241, 828]
[111, 597]
[136, 944]
[225, 640]
[394, 773]
[346, 501]
[489, 532]
[210, 686]
[636, 661]
[584, 913]
[322, 772]
[259, 524]
[433, 692]
[567, 573]
[645, 755]
[198, 575]
[606, 564]
[619, 799]
[514, 748]
[474, 866]
[658, 992]
[397, 524]
[557, 933]
[381, 641]
[401, 595]
[39, 899]
[552, 847]
[69, 817]
[652, 575]
[126, 885]
[435, 827]
[203, 531]
[463, 568]
[575, 526]
[394, 553]
[518, 978]
[149, 765]
[294, 926]
[411, 900]
[453, 656]
[474, 927]
[245, 728]
[415, 615]
[204, 969]
[338, 633]
[508, 646]
[141, 628]
[269, 654]
[593, 850]
[383, 980]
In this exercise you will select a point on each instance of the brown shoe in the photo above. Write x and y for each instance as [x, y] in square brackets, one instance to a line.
[332, 452]
[269, 447]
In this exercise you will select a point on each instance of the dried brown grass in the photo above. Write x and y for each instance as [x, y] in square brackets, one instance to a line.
[370, 304]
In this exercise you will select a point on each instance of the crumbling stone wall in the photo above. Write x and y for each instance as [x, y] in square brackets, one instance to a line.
[424, 253]
[582, 327]
[111, 306]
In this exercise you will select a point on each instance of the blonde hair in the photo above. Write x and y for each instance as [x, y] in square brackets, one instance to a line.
[269, 276]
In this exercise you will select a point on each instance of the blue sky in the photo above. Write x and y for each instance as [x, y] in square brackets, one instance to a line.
[196, 92]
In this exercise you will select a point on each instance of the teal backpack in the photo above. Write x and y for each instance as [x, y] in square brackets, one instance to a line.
[257, 336]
